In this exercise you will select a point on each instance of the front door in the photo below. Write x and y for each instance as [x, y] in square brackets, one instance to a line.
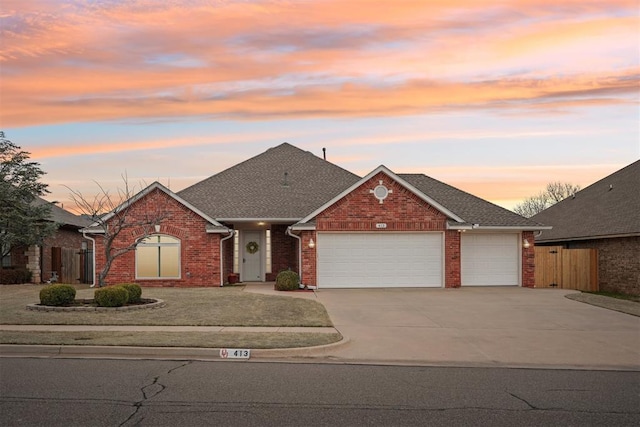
[252, 256]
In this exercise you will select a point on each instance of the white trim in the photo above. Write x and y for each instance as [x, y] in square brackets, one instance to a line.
[477, 227]
[231, 234]
[302, 227]
[289, 232]
[143, 193]
[271, 220]
[93, 261]
[394, 177]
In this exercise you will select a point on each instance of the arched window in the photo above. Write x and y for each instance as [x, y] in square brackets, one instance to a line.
[158, 257]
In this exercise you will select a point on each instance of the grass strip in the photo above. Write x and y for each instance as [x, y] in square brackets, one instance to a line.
[251, 340]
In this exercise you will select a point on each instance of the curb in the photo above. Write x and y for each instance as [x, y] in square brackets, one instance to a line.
[128, 352]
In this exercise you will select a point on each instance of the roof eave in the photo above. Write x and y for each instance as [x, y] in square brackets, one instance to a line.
[582, 238]
[479, 227]
[303, 227]
[149, 189]
[396, 178]
[257, 219]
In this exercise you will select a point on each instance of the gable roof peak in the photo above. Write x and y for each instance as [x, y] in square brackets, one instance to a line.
[254, 188]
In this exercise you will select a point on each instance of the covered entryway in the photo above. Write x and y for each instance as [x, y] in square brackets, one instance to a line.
[490, 259]
[379, 260]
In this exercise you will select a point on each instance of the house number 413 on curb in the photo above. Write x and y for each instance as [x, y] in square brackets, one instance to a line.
[234, 353]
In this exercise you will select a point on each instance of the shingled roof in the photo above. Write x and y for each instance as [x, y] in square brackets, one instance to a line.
[472, 209]
[607, 208]
[283, 183]
[61, 216]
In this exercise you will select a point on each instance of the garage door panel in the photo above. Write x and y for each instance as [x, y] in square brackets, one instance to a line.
[490, 259]
[359, 260]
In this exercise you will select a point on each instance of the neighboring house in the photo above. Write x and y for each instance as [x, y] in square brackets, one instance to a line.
[62, 257]
[289, 209]
[604, 216]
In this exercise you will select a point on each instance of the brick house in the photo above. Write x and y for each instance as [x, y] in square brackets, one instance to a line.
[61, 257]
[289, 209]
[603, 216]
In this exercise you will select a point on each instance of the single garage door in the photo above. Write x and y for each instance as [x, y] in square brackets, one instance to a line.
[379, 260]
[490, 259]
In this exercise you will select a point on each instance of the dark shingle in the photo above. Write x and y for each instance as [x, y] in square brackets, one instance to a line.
[609, 207]
[61, 216]
[470, 208]
[257, 188]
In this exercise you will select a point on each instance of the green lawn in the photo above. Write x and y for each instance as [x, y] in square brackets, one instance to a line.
[229, 306]
[627, 297]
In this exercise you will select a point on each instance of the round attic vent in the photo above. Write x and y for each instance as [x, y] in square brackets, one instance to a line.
[381, 192]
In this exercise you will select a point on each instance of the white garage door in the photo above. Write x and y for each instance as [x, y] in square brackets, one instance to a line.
[379, 260]
[490, 259]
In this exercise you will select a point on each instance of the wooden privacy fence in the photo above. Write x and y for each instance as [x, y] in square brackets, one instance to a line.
[70, 265]
[566, 268]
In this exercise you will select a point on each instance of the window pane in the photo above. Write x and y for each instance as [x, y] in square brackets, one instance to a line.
[169, 261]
[168, 239]
[147, 261]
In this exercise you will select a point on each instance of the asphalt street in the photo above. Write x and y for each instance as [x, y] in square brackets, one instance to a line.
[102, 392]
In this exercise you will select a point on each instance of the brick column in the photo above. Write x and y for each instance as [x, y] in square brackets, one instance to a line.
[452, 265]
[528, 261]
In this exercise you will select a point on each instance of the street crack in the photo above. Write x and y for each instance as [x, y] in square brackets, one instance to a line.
[149, 391]
[524, 401]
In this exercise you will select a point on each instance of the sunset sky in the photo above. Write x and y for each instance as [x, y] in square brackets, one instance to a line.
[497, 98]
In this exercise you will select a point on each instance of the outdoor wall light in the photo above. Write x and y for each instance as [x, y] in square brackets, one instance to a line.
[526, 244]
[312, 244]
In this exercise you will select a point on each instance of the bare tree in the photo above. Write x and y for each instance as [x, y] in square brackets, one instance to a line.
[114, 214]
[552, 194]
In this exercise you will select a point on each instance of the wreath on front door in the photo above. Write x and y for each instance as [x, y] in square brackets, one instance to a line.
[252, 247]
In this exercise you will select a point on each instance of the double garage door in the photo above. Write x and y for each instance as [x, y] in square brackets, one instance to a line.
[385, 260]
[380, 260]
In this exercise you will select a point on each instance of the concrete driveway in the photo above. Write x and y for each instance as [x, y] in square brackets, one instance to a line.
[479, 326]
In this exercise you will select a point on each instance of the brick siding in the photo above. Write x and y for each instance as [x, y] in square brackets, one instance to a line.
[528, 261]
[200, 251]
[284, 251]
[401, 211]
[618, 263]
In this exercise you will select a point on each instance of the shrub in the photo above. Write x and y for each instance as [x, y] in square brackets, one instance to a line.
[287, 280]
[14, 276]
[135, 292]
[113, 296]
[57, 295]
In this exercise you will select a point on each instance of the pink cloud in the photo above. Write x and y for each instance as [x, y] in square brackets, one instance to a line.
[254, 60]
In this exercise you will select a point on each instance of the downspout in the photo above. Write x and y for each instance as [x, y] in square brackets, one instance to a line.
[299, 251]
[93, 258]
[232, 233]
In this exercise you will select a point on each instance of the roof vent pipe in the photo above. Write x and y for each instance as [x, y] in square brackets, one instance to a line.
[324, 153]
